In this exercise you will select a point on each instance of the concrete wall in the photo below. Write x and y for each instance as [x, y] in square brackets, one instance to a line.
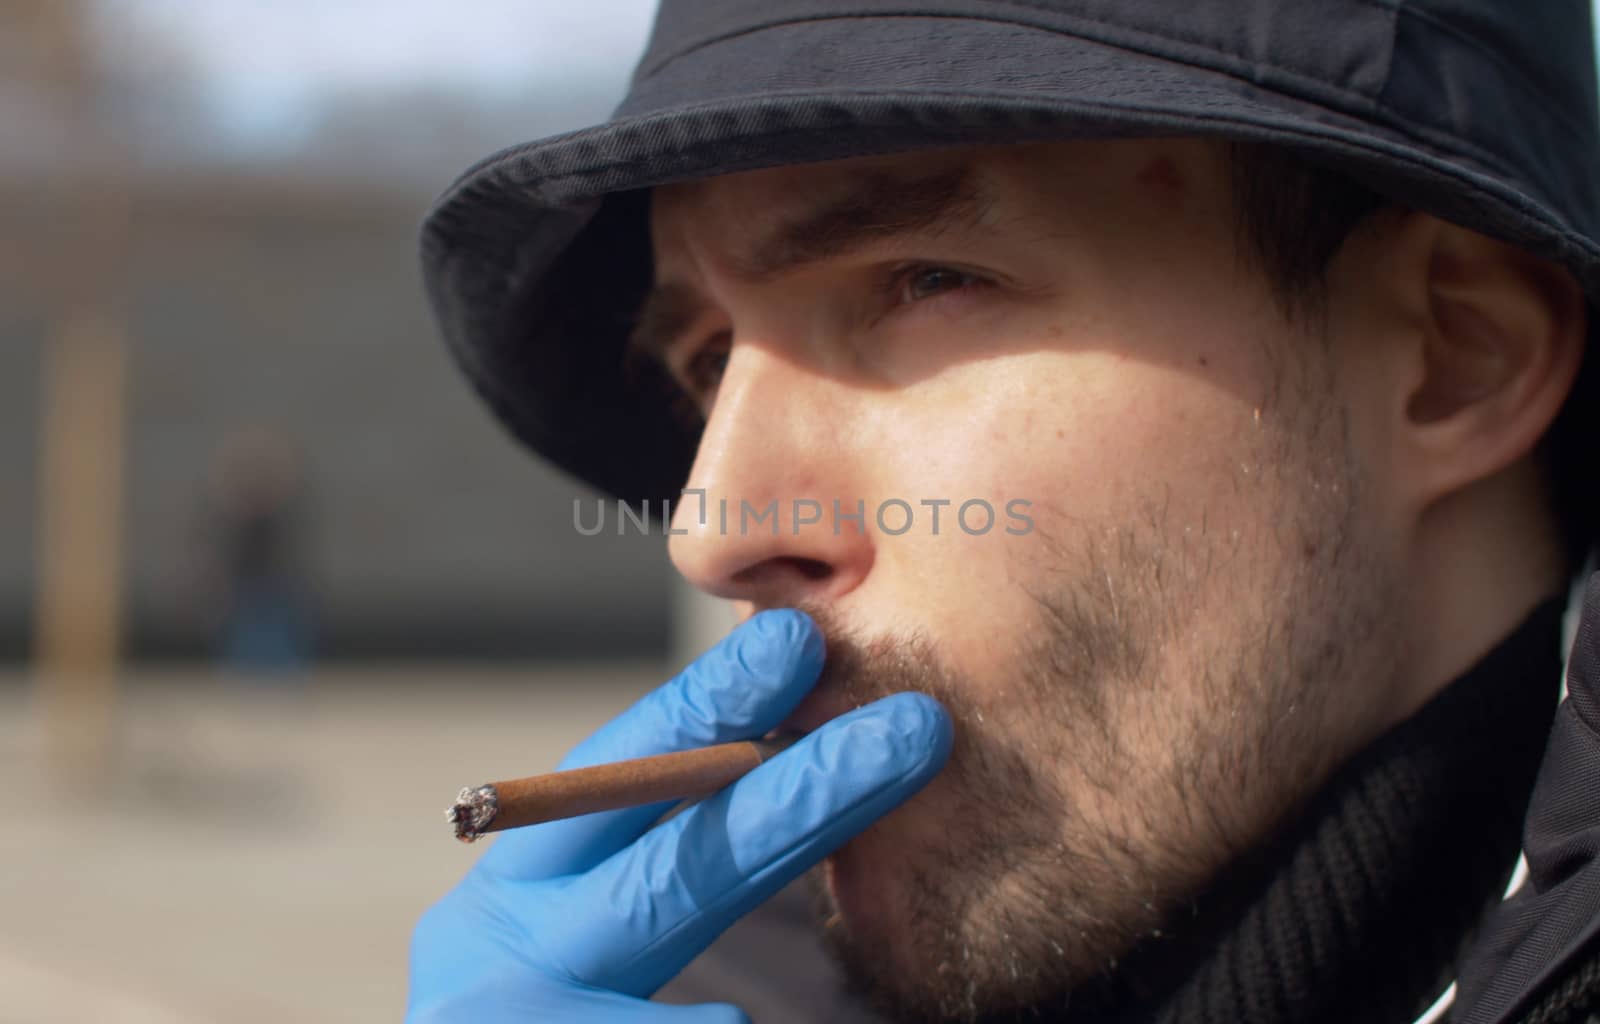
[299, 310]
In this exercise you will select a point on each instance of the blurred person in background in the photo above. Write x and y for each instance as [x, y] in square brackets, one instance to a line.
[254, 521]
[1275, 316]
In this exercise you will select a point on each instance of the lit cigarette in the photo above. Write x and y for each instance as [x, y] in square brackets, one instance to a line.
[605, 787]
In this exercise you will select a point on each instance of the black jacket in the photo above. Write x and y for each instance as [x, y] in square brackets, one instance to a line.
[1538, 958]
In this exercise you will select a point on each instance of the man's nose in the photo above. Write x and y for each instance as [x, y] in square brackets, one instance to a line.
[770, 512]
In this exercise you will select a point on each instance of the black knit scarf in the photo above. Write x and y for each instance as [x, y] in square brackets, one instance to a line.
[1357, 911]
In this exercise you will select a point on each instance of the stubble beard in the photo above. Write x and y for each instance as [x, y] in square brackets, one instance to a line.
[1177, 696]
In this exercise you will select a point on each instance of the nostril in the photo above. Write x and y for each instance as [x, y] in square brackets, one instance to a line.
[810, 569]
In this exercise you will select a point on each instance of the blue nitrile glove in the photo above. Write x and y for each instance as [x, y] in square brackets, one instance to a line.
[583, 919]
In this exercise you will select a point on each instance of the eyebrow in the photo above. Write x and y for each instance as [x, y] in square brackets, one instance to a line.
[877, 207]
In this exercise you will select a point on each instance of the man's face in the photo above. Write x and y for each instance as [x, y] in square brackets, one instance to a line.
[1188, 632]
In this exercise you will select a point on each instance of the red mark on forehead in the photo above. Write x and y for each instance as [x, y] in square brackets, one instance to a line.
[1161, 175]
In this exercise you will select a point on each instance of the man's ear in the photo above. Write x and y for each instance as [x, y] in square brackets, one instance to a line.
[1496, 343]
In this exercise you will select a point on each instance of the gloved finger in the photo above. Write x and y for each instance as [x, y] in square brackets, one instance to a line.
[466, 966]
[635, 920]
[740, 689]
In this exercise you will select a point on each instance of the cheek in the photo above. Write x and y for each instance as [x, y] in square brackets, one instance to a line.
[1066, 448]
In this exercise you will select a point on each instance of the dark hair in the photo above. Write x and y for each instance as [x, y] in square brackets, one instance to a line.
[1293, 218]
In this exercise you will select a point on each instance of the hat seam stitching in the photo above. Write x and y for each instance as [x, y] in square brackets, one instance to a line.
[1119, 37]
[1310, 86]
[1110, 38]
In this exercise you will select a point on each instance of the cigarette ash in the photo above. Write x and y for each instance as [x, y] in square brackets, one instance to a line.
[474, 809]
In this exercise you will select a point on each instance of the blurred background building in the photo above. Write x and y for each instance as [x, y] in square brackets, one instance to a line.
[273, 585]
[235, 188]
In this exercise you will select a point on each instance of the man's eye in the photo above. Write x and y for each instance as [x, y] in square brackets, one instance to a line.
[703, 370]
[918, 283]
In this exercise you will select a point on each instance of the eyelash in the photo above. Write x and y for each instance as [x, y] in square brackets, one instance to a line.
[900, 277]
[893, 286]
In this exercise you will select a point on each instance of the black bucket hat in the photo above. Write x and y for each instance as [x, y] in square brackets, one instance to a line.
[1482, 112]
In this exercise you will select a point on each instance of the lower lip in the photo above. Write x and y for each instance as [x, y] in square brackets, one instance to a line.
[809, 715]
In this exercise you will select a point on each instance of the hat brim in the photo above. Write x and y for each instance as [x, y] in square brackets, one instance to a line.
[535, 260]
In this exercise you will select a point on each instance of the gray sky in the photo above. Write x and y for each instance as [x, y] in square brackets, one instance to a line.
[266, 65]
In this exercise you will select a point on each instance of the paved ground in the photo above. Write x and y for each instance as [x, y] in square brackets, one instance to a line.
[257, 856]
